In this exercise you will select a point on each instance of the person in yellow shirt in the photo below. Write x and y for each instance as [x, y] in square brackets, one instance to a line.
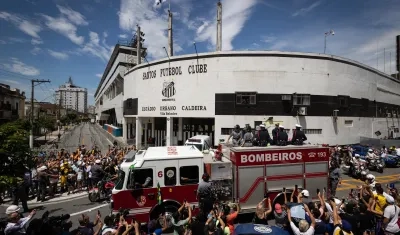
[64, 169]
[380, 199]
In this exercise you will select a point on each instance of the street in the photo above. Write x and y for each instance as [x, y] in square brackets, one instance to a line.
[85, 134]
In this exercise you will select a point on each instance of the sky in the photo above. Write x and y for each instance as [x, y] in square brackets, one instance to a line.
[55, 39]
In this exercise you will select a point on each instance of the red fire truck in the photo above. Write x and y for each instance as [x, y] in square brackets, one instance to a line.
[245, 173]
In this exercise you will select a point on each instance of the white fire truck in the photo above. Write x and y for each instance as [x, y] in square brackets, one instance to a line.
[243, 173]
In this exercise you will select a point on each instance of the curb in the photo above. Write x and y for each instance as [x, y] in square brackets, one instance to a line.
[54, 201]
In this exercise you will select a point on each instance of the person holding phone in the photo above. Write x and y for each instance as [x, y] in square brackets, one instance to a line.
[261, 215]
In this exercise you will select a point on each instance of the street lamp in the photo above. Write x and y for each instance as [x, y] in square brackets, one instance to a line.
[331, 32]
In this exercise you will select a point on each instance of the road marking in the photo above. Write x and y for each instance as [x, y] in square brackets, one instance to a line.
[353, 183]
[89, 210]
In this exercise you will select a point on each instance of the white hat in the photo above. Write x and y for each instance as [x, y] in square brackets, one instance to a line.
[280, 126]
[98, 161]
[389, 199]
[297, 125]
[305, 193]
[337, 201]
[12, 209]
[262, 125]
[357, 155]
[370, 150]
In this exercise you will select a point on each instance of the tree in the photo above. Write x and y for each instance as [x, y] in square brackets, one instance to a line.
[15, 154]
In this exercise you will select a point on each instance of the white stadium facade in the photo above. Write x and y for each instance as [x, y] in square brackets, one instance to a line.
[334, 99]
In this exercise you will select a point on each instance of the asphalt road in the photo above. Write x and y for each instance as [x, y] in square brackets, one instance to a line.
[85, 134]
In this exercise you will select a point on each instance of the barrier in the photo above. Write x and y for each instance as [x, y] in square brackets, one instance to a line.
[113, 130]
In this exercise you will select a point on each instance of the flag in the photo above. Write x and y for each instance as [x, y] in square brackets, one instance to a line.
[158, 2]
[132, 166]
[159, 199]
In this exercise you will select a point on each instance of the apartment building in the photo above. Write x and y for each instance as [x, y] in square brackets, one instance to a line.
[72, 97]
[12, 103]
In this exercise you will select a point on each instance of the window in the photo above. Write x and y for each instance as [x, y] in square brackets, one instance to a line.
[226, 131]
[138, 178]
[301, 100]
[312, 131]
[246, 98]
[348, 123]
[120, 181]
[129, 103]
[170, 176]
[189, 175]
[343, 101]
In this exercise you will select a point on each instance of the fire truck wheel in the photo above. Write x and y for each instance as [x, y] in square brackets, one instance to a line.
[167, 208]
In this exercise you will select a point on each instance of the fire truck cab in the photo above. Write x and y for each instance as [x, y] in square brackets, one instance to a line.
[245, 173]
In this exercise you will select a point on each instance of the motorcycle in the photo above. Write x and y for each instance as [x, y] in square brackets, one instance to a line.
[360, 171]
[102, 190]
[392, 160]
[375, 165]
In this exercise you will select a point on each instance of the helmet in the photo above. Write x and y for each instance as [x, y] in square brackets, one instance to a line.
[12, 209]
[357, 155]
[370, 177]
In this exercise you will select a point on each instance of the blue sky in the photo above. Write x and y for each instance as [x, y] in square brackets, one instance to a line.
[55, 39]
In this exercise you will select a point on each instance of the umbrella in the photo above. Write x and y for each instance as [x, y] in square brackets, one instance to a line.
[250, 229]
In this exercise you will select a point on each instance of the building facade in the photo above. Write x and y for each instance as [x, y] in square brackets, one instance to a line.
[12, 103]
[110, 92]
[72, 97]
[336, 100]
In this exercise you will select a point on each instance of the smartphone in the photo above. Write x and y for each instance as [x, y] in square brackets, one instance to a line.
[295, 187]
[98, 212]
[359, 195]
[317, 190]
[351, 190]
[284, 189]
[266, 195]
[324, 189]
[343, 201]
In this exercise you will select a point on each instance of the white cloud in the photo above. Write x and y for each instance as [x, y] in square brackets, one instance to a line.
[235, 14]
[30, 28]
[123, 36]
[36, 51]
[153, 22]
[3, 42]
[305, 10]
[66, 24]
[11, 81]
[65, 28]
[99, 75]
[58, 55]
[73, 16]
[97, 48]
[35, 41]
[16, 66]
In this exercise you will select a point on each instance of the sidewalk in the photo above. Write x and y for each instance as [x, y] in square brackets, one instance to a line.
[58, 198]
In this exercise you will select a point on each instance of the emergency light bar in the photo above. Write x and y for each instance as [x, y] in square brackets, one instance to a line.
[195, 140]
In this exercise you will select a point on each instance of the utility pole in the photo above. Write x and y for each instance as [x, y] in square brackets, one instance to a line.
[139, 45]
[33, 83]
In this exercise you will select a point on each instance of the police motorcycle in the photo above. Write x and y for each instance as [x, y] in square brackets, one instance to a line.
[375, 164]
[370, 180]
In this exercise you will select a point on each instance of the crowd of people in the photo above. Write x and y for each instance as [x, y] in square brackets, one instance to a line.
[367, 210]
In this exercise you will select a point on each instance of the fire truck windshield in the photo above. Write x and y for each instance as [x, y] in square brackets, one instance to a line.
[120, 180]
[198, 146]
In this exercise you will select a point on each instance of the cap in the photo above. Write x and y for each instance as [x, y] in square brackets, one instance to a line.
[42, 168]
[305, 193]
[370, 150]
[281, 127]
[357, 155]
[297, 125]
[389, 199]
[337, 201]
[12, 209]
[98, 161]
[278, 208]
[346, 226]
[262, 125]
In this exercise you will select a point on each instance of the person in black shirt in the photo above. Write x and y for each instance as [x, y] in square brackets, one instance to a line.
[298, 136]
[275, 132]
[282, 136]
[263, 137]
[350, 217]
[365, 219]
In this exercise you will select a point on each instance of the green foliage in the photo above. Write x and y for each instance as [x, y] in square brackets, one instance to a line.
[15, 154]
[46, 122]
[69, 118]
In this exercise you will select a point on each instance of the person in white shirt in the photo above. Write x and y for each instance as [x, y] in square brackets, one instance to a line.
[16, 224]
[304, 228]
[390, 216]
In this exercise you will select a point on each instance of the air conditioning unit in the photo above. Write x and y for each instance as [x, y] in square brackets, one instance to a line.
[302, 111]
[286, 97]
